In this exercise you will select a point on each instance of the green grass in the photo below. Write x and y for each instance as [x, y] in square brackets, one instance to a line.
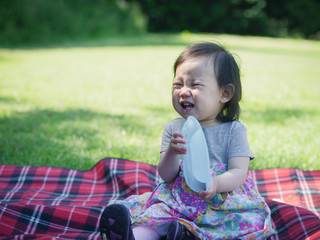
[74, 104]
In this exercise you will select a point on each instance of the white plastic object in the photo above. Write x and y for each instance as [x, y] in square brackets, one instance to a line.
[196, 163]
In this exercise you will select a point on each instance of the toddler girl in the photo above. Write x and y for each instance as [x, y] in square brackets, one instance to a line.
[207, 86]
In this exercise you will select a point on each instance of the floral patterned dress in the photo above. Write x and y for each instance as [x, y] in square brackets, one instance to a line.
[241, 214]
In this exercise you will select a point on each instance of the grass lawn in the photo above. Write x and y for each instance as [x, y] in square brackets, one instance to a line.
[74, 104]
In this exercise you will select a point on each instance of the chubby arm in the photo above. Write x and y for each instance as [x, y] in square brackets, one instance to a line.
[230, 180]
[168, 166]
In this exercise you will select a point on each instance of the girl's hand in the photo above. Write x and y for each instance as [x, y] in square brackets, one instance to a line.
[168, 166]
[176, 144]
[206, 195]
[229, 180]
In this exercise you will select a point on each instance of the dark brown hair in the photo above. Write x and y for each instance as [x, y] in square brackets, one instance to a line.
[226, 72]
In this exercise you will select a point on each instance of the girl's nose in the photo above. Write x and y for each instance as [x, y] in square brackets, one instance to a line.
[185, 92]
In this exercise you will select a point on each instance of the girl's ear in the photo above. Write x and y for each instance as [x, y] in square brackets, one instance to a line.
[227, 93]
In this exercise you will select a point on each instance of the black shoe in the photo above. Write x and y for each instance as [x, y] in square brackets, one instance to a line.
[178, 231]
[115, 223]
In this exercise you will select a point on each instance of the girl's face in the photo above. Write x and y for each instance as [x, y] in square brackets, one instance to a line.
[196, 91]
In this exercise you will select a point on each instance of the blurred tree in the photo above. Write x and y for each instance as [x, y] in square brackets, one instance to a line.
[41, 21]
[252, 17]
[220, 16]
[295, 16]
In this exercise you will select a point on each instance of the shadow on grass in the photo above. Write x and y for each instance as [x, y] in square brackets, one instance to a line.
[52, 138]
[7, 100]
[278, 116]
[168, 39]
[114, 41]
[70, 138]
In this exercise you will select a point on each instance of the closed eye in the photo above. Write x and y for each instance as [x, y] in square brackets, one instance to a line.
[177, 84]
[196, 84]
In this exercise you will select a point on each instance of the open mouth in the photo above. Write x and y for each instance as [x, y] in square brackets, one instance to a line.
[187, 105]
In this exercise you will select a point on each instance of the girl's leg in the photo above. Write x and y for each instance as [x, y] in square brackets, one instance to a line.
[145, 233]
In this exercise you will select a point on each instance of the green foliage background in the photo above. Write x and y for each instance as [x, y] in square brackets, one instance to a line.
[246, 17]
[25, 22]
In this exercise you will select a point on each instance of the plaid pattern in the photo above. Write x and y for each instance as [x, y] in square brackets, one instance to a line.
[294, 199]
[289, 185]
[57, 203]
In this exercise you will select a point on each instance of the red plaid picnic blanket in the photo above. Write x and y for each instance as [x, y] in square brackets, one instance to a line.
[59, 203]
